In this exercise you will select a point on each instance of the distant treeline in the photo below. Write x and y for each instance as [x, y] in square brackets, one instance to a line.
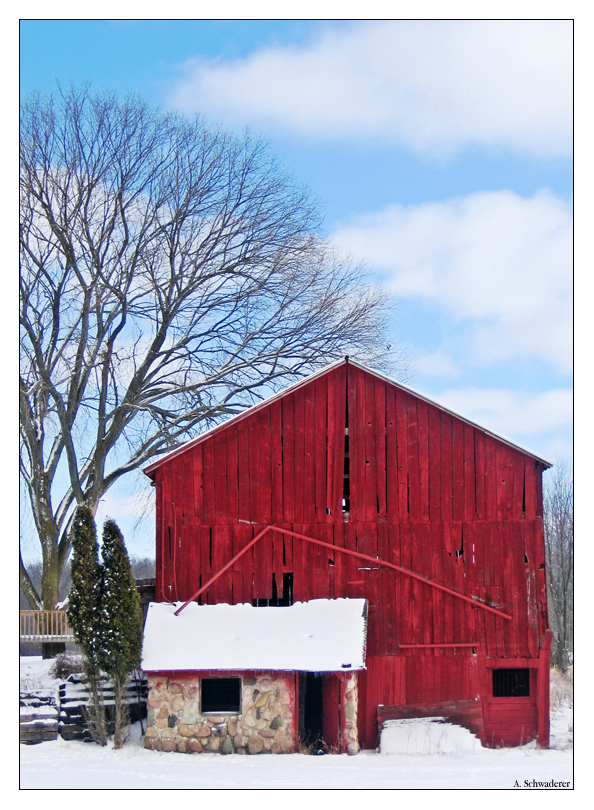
[141, 568]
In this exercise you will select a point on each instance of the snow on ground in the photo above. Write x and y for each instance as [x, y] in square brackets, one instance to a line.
[78, 765]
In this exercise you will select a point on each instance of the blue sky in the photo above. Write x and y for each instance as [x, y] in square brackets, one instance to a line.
[440, 152]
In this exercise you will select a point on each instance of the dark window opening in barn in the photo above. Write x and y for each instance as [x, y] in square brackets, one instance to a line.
[346, 485]
[460, 551]
[220, 695]
[511, 683]
[278, 601]
[311, 727]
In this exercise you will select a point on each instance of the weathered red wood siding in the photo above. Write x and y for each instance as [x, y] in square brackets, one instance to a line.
[427, 491]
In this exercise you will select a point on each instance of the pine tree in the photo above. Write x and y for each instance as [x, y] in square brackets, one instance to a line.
[84, 612]
[122, 619]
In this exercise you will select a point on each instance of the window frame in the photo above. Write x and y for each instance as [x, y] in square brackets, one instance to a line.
[213, 678]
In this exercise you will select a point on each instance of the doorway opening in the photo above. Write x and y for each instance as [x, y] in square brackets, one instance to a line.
[311, 704]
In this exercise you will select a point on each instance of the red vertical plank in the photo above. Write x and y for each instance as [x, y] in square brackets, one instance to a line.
[243, 469]
[276, 453]
[458, 469]
[437, 573]
[159, 528]
[391, 455]
[300, 580]
[469, 474]
[188, 489]
[501, 482]
[404, 616]
[518, 487]
[371, 429]
[309, 484]
[530, 488]
[490, 479]
[367, 541]
[510, 589]
[299, 457]
[206, 561]
[498, 579]
[420, 536]
[332, 459]
[357, 442]
[448, 542]
[208, 456]
[510, 474]
[220, 476]
[254, 466]
[541, 595]
[264, 470]
[242, 533]
[288, 459]
[413, 459]
[351, 563]
[380, 446]
[479, 447]
[538, 470]
[423, 440]
[447, 466]
[339, 561]
[221, 554]
[320, 461]
[402, 444]
[336, 441]
[166, 527]
[521, 565]
[232, 475]
[532, 588]
[469, 574]
[434, 464]
[193, 560]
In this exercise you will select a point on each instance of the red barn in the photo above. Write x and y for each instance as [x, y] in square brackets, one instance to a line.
[350, 485]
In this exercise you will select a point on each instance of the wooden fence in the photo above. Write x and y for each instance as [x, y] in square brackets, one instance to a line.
[45, 625]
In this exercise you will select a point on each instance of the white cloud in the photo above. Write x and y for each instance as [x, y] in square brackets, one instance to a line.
[432, 85]
[436, 364]
[501, 261]
[512, 412]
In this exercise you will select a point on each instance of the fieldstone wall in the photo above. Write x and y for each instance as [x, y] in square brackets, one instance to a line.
[349, 715]
[265, 725]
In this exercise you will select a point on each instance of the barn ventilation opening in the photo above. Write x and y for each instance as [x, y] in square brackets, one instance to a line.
[220, 695]
[310, 710]
[346, 481]
[511, 683]
[278, 601]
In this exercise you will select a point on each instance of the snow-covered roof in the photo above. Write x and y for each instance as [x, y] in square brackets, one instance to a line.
[323, 635]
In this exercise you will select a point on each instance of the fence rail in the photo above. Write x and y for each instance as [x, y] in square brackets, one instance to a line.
[45, 625]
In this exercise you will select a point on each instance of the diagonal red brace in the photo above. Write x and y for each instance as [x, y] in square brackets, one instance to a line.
[408, 573]
[357, 554]
[223, 569]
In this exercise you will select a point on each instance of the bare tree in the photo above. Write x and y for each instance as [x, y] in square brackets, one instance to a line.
[170, 274]
[558, 524]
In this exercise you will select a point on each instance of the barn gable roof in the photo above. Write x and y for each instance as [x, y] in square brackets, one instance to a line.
[305, 381]
[323, 635]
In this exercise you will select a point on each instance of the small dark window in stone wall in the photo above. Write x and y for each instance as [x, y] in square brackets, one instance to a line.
[511, 683]
[221, 695]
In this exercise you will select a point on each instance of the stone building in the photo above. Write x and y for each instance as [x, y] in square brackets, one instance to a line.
[234, 678]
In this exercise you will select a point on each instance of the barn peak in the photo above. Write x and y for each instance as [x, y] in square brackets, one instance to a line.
[346, 361]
